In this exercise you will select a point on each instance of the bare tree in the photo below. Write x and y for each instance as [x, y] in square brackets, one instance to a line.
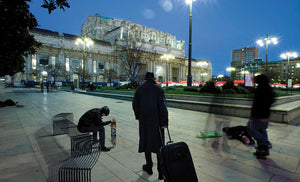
[82, 74]
[130, 59]
[111, 75]
[57, 70]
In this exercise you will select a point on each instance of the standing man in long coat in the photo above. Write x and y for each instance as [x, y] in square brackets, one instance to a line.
[150, 109]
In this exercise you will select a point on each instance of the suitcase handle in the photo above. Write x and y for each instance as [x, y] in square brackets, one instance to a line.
[162, 141]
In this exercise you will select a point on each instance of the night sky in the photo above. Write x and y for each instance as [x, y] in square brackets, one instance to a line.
[218, 26]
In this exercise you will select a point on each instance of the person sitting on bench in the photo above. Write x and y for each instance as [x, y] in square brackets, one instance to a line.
[91, 121]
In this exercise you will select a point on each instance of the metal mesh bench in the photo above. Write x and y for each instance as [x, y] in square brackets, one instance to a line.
[84, 152]
[84, 155]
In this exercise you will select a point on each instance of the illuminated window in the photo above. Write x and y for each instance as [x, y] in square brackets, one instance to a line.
[94, 66]
[67, 64]
[53, 60]
[33, 61]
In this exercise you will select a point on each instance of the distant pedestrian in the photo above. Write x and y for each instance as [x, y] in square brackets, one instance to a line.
[150, 109]
[260, 113]
[91, 121]
[47, 86]
[42, 87]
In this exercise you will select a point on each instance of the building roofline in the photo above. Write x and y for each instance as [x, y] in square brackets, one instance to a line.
[65, 35]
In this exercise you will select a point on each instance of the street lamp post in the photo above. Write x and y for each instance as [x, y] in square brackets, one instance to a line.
[189, 78]
[267, 40]
[288, 55]
[167, 57]
[85, 42]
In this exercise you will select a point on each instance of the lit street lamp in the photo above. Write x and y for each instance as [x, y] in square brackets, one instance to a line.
[167, 57]
[230, 69]
[202, 64]
[189, 77]
[85, 43]
[288, 55]
[267, 41]
[220, 76]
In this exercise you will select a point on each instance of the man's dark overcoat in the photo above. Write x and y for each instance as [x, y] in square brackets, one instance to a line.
[150, 109]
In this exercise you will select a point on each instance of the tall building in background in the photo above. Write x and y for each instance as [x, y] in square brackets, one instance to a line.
[246, 59]
[243, 59]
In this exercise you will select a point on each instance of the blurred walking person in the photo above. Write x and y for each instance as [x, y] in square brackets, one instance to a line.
[260, 113]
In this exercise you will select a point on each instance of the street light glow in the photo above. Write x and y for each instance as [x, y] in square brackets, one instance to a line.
[268, 41]
[256, 74]
[202, 63]
[167, 57]
[245, 72]
[44, 73]
[189, 1]
[274, 40]
[86, 41]
[260, 42]
[78, 41]
[289, 55]
[230, 69]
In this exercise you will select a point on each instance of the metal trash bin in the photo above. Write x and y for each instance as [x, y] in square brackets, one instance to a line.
[61, 123]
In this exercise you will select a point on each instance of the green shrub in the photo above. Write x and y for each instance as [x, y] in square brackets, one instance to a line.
[229, 91]
[191, 89]
[131, 85]
[210, 87]
[229, 87]
[170, 88]
[241, 90]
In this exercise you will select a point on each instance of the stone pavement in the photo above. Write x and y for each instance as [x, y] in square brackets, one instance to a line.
[29, 151]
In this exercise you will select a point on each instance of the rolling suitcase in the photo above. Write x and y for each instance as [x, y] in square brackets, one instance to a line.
[176, 161]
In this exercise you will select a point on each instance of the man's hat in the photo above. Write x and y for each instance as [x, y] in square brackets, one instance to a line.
[149, 76]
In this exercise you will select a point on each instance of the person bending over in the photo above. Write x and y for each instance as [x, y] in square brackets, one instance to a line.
[91, 121]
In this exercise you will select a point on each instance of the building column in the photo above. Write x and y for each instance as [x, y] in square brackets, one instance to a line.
[61, 58]
[151, 66]
[170, 71]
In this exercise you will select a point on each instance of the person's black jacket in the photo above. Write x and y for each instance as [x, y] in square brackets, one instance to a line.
[262, 101]
[92, 117]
